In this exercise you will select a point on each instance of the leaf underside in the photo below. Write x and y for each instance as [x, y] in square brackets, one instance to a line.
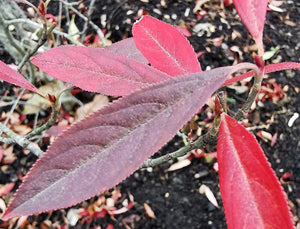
[97, 70]
[11, 76]
[100, 151]
[165, 47]
[251, 193]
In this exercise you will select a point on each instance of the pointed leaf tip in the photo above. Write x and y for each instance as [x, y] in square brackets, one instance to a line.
[251, 193]
[101, 150]
[165, 47]
[11, 76]
[253, 14]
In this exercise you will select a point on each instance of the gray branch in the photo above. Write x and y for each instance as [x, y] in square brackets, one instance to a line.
[14, 138]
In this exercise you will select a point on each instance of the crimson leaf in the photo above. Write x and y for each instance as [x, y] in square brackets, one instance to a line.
[267, 69]
[253, 14]
[97, 70]
[165, 47]
[251, 193]
[9, 75]
[127, 48]
[98, 152]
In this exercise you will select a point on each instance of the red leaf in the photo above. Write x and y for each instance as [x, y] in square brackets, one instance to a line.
[218, 108]
[110, 226]
[127, 48]
[183, 31]
[97, 70]
[259, 63]
[253, 14]
[286, 175]
[9, 75]
[165, 47]
[42, 9]
[101, 150]
[251, 193]
[267, 69]
[6, 188]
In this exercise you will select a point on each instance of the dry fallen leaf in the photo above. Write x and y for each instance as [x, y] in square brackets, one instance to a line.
[21, 129]
[1, 154]
[209, 194]
[179, 165]
[235, 34]
[264, 135]
[149, 211]
[274, 139]
[4, 189]
[98, 102]
[8, 156]
[38, 103]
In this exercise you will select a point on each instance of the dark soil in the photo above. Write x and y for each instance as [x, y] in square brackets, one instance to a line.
[174, 196]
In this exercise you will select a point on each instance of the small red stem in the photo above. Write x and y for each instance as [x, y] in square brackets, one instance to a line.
[269, 68]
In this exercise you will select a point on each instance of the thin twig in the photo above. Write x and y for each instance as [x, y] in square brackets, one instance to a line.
[13, 137]
[211, 136]
[36, 25]
[46, 125]
[20, 102]
[59, 23]
[21, 141]
[10, 38]
[251, 97]
[89, 14]
[40, 43]
[13, 108]
[25, 59]
[94, 26]
[68, 19]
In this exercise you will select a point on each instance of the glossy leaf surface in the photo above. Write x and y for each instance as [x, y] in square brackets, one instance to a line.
[127, 48]
[253, 14]
[101, 150]
[251, 193]
[11, 76]
[165, 47]
[97, 70]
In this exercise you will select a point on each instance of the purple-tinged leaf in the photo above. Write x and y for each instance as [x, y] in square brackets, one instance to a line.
[127, 48]
[253, 14]
[101, 150]
[165, 47]
[11, 76]
[251, 192]
[97, 70]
